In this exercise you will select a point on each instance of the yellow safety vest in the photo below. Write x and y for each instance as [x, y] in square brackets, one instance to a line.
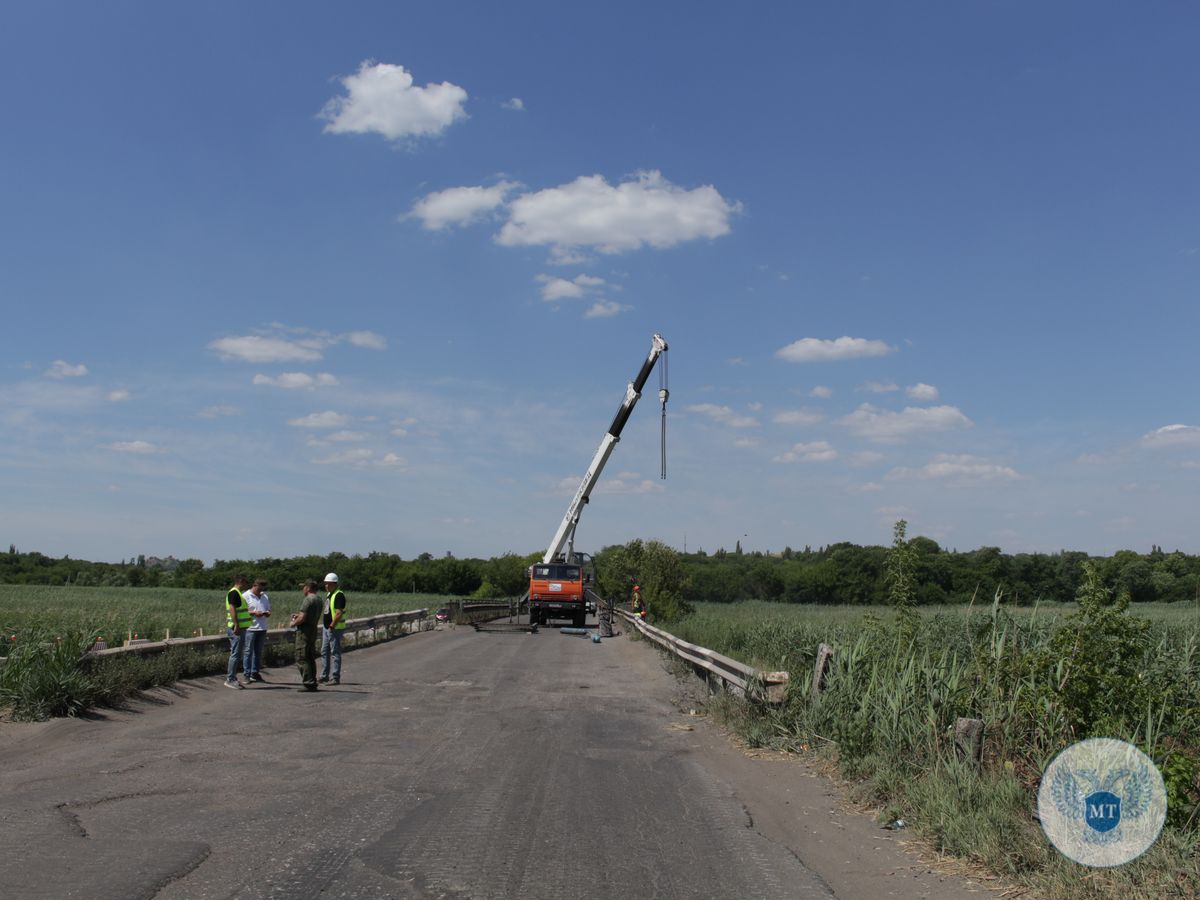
[342, 621]
[244, 619]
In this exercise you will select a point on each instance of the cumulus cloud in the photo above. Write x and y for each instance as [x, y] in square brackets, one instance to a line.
[724, 415]
[294, 380]
[260, 349]
[818, 350]
[460, 205]
[958, 470]
[798, 417]
[368, 339]
[516, 103]
[591, 213]
[381, 98]
[814, 451]
[556, 288]
[136, 447]
[921, 392]
[821, 391]
[62, 369]
[280, 343]
[120, 395]
[888, 427]
[327, 419]
[603, 309]
[1173, 436]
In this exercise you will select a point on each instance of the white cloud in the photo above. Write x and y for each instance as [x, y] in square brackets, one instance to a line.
[888, 427]
[921, 392]
[814, 451]
[259, 349]
[818, 350]
[137, 447]
[724, 415]
[327, 419]
[459, 205]
[602, 309]
[281, 343]
[382, 98]
[62, 369]
[120, 395]
[294, 380]
[956, 470]
[821, 391]
[1173, 436]
[516, 103]
[879, 387]
[367, 339]
[392, 459]
[798, 417]
[746, 441]
[347, 436]
[358, 457]
[556, 288]
[591, 213]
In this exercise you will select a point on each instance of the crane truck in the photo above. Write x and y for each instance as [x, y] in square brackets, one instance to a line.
[558, 584]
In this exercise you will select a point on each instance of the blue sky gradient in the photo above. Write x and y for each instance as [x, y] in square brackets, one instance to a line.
[286, 278]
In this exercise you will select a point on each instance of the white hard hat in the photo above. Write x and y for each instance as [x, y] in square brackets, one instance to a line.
[332, 576]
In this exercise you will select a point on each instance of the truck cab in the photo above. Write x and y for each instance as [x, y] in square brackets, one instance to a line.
[556, 591]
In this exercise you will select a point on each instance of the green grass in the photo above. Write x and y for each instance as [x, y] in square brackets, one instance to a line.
[1039, 678]
[46, 631]
[112, 614]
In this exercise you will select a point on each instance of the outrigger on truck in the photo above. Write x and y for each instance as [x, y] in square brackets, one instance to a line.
[558, 585]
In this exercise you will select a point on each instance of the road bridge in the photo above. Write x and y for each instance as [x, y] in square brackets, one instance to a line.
[449, 764]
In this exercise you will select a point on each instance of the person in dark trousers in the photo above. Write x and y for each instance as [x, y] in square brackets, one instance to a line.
[237, 621]
[307, 622]
[335, 625]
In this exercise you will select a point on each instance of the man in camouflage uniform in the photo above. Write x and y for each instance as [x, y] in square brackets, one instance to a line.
[307, 623]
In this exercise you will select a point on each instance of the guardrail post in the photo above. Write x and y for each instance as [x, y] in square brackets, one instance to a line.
[821, 672]
[968, 739]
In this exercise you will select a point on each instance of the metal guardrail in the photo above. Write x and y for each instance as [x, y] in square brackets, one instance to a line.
[746, 681]
[274, 635]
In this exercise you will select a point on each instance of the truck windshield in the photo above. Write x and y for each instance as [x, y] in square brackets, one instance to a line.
[556, 573]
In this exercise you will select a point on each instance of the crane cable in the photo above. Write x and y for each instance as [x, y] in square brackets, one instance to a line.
[663, 394]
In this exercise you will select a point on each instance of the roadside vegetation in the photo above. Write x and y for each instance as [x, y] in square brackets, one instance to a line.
[1039, 677]
[47, 632]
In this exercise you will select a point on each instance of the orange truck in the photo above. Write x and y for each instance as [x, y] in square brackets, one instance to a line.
[558, 585]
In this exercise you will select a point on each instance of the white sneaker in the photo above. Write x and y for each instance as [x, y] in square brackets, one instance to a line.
[236, 685]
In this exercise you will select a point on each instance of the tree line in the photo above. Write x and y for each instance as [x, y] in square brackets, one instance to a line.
[842, 573]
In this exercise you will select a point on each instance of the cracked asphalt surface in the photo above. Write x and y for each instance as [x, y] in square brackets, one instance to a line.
[447, 764]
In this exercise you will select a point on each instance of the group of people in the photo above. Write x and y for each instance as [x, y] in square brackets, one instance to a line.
[246, 612]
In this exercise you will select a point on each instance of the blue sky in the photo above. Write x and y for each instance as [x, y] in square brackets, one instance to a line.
[283, 278]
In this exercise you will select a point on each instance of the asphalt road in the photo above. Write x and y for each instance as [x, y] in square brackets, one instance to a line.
[446, 764]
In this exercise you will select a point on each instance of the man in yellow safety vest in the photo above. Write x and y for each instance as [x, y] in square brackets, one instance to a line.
[237, 621]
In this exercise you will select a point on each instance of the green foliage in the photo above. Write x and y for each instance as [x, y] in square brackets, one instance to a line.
[43, 678]
[900, 577]
[1039, 678]
[651, 564]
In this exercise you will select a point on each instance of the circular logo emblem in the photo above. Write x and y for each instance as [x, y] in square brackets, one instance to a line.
[1102, 802]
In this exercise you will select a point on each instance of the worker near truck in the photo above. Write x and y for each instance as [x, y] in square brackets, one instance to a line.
[335, 625]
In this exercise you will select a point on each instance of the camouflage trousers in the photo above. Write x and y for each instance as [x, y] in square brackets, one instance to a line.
[306, 658]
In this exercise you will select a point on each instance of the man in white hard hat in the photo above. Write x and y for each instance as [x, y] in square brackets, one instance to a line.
[335, 625]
